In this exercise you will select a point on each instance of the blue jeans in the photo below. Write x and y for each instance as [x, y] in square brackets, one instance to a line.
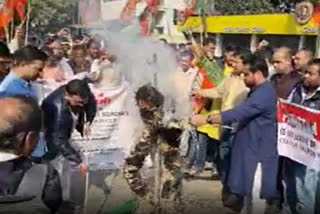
[224, 158]
[197, 154]
[300, 188]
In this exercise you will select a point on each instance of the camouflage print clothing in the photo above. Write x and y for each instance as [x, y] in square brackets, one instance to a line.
[157, 135]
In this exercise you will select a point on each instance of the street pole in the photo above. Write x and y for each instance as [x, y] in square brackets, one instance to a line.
[27, 24]
[201, 28]
[213, 7]
[219, 45]
[302, 41]
[253, 43]
[317, 55]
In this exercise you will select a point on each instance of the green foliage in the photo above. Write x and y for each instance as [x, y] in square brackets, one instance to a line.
[230, 7]
[51, 15]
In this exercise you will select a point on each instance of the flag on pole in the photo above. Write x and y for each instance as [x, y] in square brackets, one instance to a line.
[153, 6]
[149, 9]
[9, 8]
[316, 15]
[20, 8]
[128, 10]
[7, 12]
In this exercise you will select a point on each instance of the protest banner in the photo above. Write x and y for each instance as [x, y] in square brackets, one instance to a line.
[298, 134]
[116, 127]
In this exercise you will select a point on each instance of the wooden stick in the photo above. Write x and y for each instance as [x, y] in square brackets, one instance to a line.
[12, 30]
[27, 20]
[157, 180]
[7, 33]
[201, 29]
[86, 199]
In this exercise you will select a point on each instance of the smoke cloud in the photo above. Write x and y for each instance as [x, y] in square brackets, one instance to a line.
[142, 60]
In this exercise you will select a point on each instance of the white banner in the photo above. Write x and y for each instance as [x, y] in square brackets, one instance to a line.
[298, 134]
[117, 125]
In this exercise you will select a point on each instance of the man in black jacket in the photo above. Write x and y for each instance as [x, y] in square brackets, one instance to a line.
[302, 192]
[24, 187]
[70, 107]
[286, 77]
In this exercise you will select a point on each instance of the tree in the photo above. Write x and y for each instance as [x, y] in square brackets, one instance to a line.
[244, 6]
[230, 7]
[51, 15]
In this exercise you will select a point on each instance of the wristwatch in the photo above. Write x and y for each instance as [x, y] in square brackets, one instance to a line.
[208, 119]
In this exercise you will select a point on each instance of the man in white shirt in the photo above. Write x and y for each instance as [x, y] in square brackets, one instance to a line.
[58, 51]
[184, 81]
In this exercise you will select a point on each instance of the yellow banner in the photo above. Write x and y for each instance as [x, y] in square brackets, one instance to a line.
[277, 24]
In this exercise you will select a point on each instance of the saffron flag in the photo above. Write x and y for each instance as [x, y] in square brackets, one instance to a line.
[316, 15]
[127, 12]
[20, 7]
[153, 6]
[147, 14]
[9, 8]
[7, 12]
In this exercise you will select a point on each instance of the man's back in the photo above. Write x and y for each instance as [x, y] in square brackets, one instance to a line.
[23, 185]
[21, 123]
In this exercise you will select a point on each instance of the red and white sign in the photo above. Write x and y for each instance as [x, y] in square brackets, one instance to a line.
[117, 124]
[299, 134]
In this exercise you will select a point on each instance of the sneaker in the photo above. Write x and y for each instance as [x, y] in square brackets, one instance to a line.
[208, 166]
[215, 174]
[195, 171]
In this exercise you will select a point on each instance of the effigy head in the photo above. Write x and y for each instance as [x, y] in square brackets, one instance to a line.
[149, 101]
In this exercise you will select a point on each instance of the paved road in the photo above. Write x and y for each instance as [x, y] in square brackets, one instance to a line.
[201, 195]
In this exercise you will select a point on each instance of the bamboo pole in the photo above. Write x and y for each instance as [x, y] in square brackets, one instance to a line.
[317, 55]
[201, 29]
[27, 20]
[12, 31]
[7, 33]
[302, 41]
[86, 199]
[157, 180]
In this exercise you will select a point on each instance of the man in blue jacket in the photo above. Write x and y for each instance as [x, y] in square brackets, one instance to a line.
[255, 140]
[27, 68]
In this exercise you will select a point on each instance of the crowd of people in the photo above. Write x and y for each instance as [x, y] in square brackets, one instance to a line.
[46, 96]
[249, 128]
